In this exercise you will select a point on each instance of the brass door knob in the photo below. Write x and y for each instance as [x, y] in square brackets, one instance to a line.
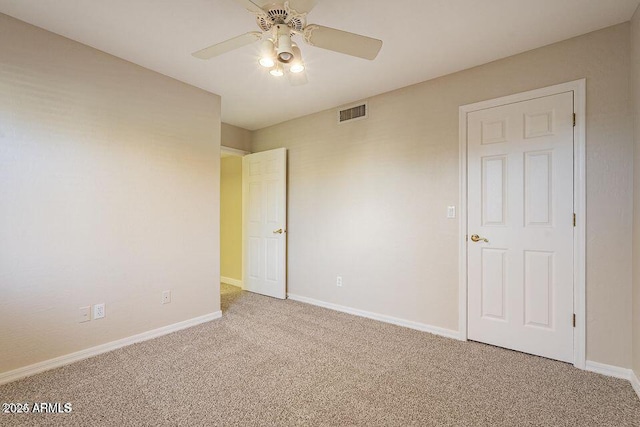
[278, 231]
[476, 238]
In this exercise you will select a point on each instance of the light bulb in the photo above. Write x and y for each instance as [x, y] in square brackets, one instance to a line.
[285, 57]
[277, 72]
[267, 62]
[297, 68]
[297, 65]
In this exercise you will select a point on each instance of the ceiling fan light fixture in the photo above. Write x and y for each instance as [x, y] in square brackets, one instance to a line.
[285, 49]
[297, 65]
[267, 54]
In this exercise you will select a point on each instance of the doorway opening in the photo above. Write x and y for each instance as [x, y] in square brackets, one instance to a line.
[231, 246]
[253, 223]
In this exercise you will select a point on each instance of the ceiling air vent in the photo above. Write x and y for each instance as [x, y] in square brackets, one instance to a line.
[352, 113]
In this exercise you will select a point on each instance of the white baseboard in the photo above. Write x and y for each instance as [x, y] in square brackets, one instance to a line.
[615, 371]
[57, 362]
[635, 383]
[380, 317]
[609, 370]
[232, 282]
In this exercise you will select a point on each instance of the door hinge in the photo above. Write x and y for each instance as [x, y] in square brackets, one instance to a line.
[574, 220]
[574, 320]
[574, 119]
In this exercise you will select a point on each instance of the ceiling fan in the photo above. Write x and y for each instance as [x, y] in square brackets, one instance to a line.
[278, 22]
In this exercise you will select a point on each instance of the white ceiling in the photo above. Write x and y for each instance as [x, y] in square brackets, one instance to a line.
[423, 39]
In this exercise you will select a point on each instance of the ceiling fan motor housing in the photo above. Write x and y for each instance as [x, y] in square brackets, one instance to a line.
[277, 14]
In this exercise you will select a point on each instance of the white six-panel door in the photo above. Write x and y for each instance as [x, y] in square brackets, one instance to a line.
[520, 199]
[264, 189]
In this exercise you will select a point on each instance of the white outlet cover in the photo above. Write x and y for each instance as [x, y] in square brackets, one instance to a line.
[98, 311]
[166, 297]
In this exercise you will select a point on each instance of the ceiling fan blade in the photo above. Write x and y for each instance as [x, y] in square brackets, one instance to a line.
[297, 79]
[342, 41]
[228, 45]
[302, 6]
[250, 6]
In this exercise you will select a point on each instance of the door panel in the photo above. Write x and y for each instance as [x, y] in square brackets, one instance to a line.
[538, 190]
[265, 192]
[494, 197]
[538, 288]
[520, 198]
[493, 284]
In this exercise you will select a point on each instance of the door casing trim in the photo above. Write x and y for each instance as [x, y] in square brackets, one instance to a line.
[578, 87]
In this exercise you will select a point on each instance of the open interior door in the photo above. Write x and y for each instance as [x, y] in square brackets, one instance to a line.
[264, 189]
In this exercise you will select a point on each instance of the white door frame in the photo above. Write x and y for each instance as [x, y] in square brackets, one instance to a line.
[232, 152]
[579, 196]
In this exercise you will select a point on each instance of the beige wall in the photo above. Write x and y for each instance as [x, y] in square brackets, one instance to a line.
[231, 217]
[235, 137]
[109, 187]
[635, 63]
[368, 199]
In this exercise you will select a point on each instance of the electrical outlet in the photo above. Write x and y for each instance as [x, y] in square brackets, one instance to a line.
[166, 297]
[339, 281]
[98, 311]
[85, 314]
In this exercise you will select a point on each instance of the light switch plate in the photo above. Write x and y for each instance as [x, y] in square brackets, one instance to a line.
[84, 315]
[451, 211]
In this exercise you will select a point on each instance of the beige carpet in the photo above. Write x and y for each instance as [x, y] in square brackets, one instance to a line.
[271, 362]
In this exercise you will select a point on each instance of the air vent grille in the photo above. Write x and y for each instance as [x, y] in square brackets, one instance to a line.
[357, 112]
